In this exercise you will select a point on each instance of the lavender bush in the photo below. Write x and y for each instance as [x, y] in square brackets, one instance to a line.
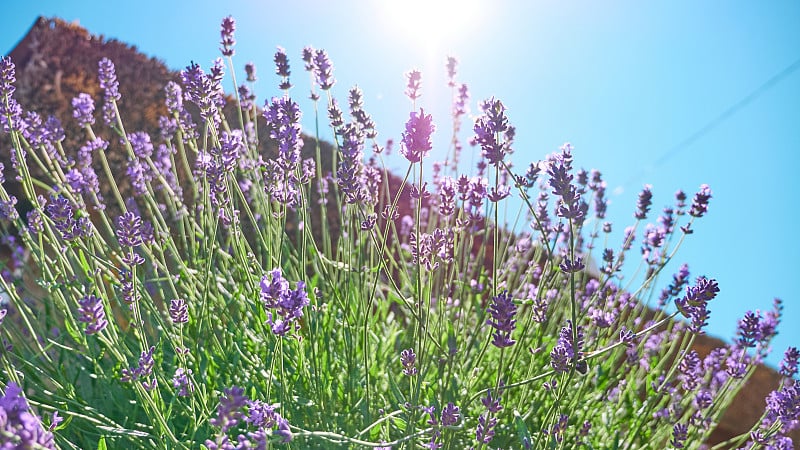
[235, 297]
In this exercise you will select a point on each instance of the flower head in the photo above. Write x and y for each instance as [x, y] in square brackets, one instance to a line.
[416, 141]
[82, 109]
[788, 366]
[285, 304]
[414, 82]
[700, 202]
[178, 310]
[91, 313]
[644, 202]
[7, 78]
[502, 310]
[409, 361]
[19, 427]
[282, 68]
[694, 305]
[227, 41]
[229, 411]
[323, 69]
[107, 75]
[450, 415]
[489, 132]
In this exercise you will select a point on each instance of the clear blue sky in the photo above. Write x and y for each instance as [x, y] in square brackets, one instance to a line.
[631, 84]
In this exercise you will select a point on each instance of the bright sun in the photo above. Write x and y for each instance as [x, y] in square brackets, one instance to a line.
[432, 22]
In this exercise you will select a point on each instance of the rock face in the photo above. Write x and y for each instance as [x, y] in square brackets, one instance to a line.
[57, 60]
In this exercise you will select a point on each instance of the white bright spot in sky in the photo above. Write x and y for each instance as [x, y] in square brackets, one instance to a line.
[431, 23]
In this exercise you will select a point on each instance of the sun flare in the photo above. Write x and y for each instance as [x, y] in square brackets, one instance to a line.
[431, 22]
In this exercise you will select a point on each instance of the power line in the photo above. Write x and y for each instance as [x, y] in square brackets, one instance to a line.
[725, 115]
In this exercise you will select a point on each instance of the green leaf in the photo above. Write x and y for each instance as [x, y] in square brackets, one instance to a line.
[101, 445]
[522, 430]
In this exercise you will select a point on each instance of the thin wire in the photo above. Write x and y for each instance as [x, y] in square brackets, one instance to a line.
[717, 121]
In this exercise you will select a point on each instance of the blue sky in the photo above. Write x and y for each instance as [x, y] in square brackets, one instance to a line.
[670, 93]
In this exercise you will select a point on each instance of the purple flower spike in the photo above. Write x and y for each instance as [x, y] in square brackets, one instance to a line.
[282, 68]
[323, 70]
[784, 404]
[502, 309]
[700, 202]
[484, 433]
[569, 266]
[178, 310]
[182, 382]
[644, 202]
[129, 230]
[409, 360]
[107, 75]
[489, 132]
[7, 78]
[227, 41]
[694, 305]
[452, 64]
[250, 70]
[286, 305]
[92, 314]
[414, 83]
[20, 428]
[788, 366]
[416, 141]
[749, 330]
[680, 432]
[229, 411]
[450, 415]
[83, 109]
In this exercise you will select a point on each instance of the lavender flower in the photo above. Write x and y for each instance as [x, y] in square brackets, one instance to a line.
[19, 427]
[129, 230]
[788, 367]
[416, 141]
[484, 432]
[680, 432]
[409, 361]
[569, 266]
[567, 350]
[229, 411]
[447, 196]
[7, 79]
[204, 91]
[450, 415]
[784, 404]
[690, 370]
[227, 41]
[749, 330]
[283, 121]
[107, 75]
[178, 310]
[414, 78]
[71, 226]
[287, 304]
[282, 68]
[250, 70]
[488, 129]
[323, 70]
[644, 202]
[91, 313]
[350, 170]
[83, 109]
[502, 309]
[142, 370]
[700, 202]
[694, 305]
[452, 64]
[182, 382]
